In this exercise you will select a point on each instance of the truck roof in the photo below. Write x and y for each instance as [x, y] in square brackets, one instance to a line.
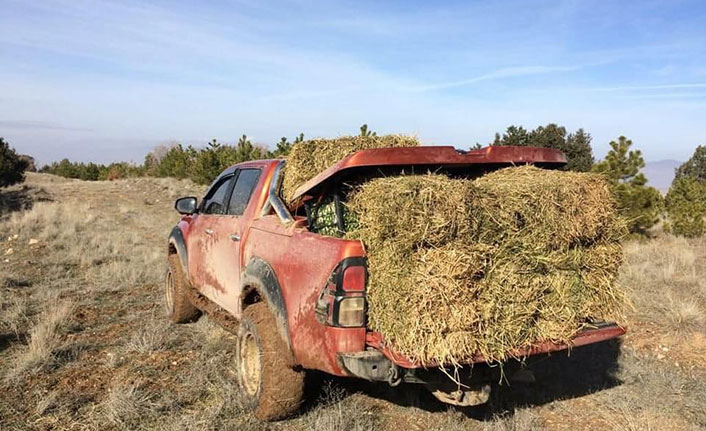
[434, 156]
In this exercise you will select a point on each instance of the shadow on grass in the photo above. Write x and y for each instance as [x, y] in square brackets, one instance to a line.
[5, 340]
[561, 375]
[20, 198]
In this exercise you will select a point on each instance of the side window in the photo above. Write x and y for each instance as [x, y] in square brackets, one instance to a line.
[215, 201]
[244, 186]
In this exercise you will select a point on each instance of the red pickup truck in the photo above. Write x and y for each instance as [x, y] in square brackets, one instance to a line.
[295, 298]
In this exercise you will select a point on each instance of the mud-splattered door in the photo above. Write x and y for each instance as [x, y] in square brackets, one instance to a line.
[202, 237]
[229, 233]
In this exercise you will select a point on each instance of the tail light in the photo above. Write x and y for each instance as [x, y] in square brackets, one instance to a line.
[354, 278]
[342, 301]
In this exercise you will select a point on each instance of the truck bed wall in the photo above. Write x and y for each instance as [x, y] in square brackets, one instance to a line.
[302, 262]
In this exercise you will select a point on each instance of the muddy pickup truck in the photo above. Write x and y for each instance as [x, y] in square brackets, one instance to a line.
[295, 299]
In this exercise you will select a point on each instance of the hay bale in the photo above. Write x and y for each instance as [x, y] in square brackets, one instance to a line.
[309, 158]
[460, 267]
[550, 207]
[415, 210]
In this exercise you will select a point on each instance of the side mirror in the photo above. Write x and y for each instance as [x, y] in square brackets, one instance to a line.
[186, 205]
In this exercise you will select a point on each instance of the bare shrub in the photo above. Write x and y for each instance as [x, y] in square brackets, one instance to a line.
[44, 339]
[125, 406]
[14, 314]
[338, 412]
[150, 336]
[46, 403]
[684, 317]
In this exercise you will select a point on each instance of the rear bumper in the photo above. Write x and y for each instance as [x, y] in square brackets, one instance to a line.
[601, 332]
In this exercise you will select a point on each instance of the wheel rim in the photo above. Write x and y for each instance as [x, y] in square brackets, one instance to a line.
[169, 288]
[250, 364]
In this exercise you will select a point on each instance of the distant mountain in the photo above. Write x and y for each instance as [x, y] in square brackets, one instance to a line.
[660, 173]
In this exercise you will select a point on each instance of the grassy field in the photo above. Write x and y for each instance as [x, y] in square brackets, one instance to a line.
[84, 343]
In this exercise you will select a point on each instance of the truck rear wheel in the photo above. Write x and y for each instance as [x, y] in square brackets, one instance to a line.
[179, 309]
[269, 384]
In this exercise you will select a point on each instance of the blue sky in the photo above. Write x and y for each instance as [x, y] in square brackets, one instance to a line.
[108, 80]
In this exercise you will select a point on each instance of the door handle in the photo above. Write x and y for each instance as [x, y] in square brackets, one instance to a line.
[209, 231]
[235, 237]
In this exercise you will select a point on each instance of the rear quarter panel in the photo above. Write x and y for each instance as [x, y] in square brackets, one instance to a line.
[303, 262]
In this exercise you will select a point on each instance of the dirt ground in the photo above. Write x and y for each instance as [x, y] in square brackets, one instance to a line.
[84, 343]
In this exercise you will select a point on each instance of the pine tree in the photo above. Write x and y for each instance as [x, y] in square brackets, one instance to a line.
[513, 135]
[638, 203]
[549, 136]
[12, 167]
[284, 147]
[578, 151]
[686, 207]
[208, 163]
[695, 167]
[575, 146]
[365, 132]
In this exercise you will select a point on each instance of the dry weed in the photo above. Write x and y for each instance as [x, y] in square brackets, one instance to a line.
[338, 412]
[684, 317]
[666, 283]
[14, 314]
[44, 340]
[126, 406]
[151, 335]
[46, 403]
[520, 420]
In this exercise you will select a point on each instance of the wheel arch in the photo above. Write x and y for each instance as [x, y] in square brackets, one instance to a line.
[260, 284]
[177, 245]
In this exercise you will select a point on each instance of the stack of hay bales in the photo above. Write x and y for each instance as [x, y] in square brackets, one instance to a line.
[487, 266]
[309, 158]
[462, 267]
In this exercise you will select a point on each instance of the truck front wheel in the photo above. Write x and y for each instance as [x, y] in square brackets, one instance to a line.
[269, 384]
[179, 309]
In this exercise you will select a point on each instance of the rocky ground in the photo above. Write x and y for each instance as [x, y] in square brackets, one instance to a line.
[84, 343]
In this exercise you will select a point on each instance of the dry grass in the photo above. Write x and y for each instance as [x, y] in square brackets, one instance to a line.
[151, 336]
[44, 339]
[522, 420]
[336, 411]
[126, 406]
[669, 288]
[13, 314]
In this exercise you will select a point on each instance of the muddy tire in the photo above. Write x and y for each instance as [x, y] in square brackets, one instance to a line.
[271, 388]
[179, 309]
